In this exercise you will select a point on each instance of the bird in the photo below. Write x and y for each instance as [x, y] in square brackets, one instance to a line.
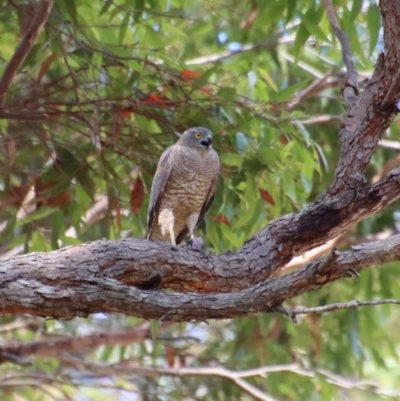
[183, 187]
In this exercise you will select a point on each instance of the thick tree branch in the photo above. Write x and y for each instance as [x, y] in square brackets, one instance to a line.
[29, 39]
[364, 123]
[71, 282]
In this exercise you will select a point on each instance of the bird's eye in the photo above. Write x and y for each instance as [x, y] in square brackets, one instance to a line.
[198, 135]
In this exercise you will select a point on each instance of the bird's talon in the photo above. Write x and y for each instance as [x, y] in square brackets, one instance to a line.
[195, 243]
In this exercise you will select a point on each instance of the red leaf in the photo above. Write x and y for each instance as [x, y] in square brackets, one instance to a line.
[44, 196]
[44, 67]
[283, 139]
[137, 196]
[125, 113]
[156, 100]
[170, 355]
[221, 219]
[266, 196]
[207, 92]
[190, 75]
[248, 22]
[118, 215]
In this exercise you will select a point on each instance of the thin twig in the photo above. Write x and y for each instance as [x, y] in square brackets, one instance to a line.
[31, 323]
[23, 115]
[327, 118]
[385, 143]
[213, 58]
[29, 39]
[328, 261]
[286, 311]
[234, 377]
[343, 305]
[351, 88]
[390, 164]
[316, 87]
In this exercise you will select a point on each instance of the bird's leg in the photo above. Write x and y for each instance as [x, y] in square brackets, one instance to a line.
[191, 222]
[172, 234]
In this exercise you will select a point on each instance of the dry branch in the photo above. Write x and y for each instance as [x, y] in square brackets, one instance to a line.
[29, 39]
[351, 88]
[73, 344]
[344, 305]
[236, 378]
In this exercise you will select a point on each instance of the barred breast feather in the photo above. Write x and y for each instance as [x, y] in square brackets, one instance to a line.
[189, 179]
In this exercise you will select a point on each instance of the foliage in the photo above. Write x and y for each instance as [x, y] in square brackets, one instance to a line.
[106, 87]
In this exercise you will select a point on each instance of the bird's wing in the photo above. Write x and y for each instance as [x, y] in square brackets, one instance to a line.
[210, 198]
[206, 205]
[157, 188]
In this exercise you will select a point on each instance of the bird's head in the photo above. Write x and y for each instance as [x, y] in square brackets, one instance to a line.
[197, 137]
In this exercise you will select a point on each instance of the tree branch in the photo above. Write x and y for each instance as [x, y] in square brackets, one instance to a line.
[29, 39]
[73, 344]
[235, 377]
[23, 115]
[71, 282]
[214, 58]
[352, 75]
[392, 94]
[343, 305]
[364, 123]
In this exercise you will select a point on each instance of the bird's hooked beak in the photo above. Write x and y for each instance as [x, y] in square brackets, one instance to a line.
[207, 143]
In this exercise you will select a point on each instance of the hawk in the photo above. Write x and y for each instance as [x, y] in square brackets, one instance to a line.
[183, 187]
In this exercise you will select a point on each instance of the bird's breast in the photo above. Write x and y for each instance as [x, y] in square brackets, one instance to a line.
[189, 181]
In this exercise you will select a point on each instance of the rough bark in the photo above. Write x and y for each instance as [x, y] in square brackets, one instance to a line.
[127, 276]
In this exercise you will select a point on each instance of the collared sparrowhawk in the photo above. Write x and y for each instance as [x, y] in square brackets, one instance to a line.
[183, 187]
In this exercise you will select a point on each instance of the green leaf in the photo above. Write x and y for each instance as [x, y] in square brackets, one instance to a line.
[311, 20]
[123, 28]
[302, 36]
[139, 6]
[44, 211]
[374, 26]
[31, 57]
[154, 329]
[286, 94]
[355, 9]
[209, 73]
[71, 9]
[291, 9]
[57, 228]
[105, 7]
[232, 159]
